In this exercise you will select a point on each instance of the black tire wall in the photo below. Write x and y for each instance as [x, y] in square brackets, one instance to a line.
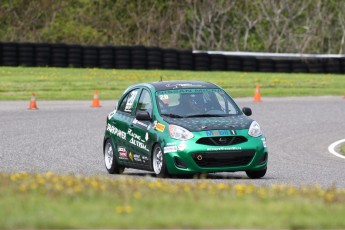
[141, 57]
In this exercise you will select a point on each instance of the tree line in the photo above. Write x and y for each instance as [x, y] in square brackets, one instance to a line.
[278, 26]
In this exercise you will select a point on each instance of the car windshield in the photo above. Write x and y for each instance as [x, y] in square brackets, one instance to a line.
[182, 103]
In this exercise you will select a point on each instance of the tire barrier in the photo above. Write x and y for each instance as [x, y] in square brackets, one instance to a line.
[154, 58]
[9, 54]
[141, 57]
[26, 54]
[43, 54]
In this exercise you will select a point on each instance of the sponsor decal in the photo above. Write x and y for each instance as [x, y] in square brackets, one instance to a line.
[160, 127]
[111, 114]
[130, 101]
[136, 122]
[122, 153]
[217, 133]
[154, 124]
[134, 135]
[166, 92]
[144, 158]
[170, 149]
[137, 157]
[138, 144]
[117, 132]
[264, 142]
[146, 136]
[136, 140]
[164, 98]
[130, 155]
[224, 148]
[182, 146]
[171, 143]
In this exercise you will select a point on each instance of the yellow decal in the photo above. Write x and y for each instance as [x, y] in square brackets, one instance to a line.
[130, 156]
[160, 127]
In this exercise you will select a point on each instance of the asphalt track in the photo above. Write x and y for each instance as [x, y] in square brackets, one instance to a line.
[65, 137]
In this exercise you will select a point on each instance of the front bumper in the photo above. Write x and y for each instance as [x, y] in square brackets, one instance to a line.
[191, 157]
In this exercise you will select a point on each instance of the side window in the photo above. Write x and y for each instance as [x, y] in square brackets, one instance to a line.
[226, 106]
[127, 103]
[145, 102]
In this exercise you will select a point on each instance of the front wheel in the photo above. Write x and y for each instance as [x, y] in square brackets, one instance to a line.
[256, 174]
[158, 162]
[111, 163]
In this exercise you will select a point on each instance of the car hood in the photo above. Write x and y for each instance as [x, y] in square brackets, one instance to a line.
[197, 124]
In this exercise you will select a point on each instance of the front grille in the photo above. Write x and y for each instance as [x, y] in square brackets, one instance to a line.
[223, 158]
[226, 140]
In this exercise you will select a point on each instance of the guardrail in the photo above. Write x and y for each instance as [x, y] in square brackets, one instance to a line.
[141, 57]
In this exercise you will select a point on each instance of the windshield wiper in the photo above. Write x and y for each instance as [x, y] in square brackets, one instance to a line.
[207, 115]
[172, 115]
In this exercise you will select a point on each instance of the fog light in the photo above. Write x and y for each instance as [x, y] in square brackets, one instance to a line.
[179, 163]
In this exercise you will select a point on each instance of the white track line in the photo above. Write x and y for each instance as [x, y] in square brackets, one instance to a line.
[332, 146]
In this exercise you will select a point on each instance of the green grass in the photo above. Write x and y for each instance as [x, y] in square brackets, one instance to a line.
[342, 149]
[17, 83]
[31, 201]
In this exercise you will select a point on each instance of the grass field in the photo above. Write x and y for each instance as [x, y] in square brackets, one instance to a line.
[17, 83]
[342, 149]
[62, 201]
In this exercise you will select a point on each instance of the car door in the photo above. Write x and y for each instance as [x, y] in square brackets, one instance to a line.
[121, 120]
[139, 132]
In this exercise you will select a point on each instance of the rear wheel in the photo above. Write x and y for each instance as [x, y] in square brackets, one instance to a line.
[110, 161]
[256, 174]
[158, 162]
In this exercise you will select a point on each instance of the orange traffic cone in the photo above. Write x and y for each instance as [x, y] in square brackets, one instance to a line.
[33, 105]
[257, 97]
[95, 102]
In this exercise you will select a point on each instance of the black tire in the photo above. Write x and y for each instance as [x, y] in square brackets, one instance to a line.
[158, 162]
[110, 161]
[256, 174]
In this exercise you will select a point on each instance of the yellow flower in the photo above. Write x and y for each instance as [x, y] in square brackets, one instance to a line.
[137, 195]
[126, 209]
[329, 197]
[261, 192]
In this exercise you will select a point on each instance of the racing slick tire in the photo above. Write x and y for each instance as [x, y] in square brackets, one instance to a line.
[111, 163]
[256, 174]
[158, 162]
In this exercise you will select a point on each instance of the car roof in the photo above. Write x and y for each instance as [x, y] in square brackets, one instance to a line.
[169, 85]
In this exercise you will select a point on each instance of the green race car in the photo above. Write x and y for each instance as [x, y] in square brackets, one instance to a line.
[183, 127]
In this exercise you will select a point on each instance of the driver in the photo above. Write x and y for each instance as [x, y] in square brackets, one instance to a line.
[193, 103]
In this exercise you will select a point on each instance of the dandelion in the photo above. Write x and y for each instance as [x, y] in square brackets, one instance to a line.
[186, 188]
[222, 186]
[240, 189]
[261, 192]
[137, 195]
[291, 191]
[125, 209]
[329, 197]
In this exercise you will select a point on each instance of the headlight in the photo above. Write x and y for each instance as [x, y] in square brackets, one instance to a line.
[254, 129]
[179, 133]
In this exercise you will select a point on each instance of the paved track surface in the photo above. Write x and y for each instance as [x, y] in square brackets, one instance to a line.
[66, 137]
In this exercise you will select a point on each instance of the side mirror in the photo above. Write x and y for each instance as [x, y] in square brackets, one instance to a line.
[247, 111]
[143, 116]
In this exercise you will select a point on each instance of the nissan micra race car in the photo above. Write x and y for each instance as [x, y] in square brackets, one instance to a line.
[182, 127]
